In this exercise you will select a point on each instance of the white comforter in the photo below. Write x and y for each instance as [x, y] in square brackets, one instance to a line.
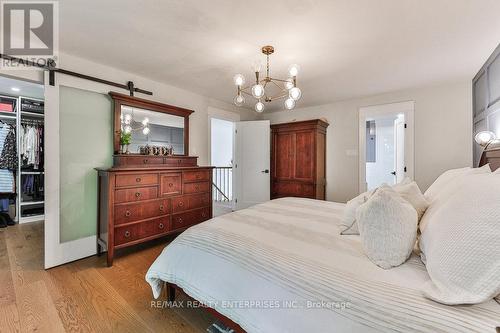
[283, 267]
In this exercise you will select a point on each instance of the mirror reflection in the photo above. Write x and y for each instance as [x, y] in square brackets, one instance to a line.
[150, 132]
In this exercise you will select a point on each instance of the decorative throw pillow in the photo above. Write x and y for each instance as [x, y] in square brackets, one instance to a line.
[411, 193]
[460, 243]
[388, 227]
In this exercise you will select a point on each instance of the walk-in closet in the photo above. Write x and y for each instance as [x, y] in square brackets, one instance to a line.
[21, 152]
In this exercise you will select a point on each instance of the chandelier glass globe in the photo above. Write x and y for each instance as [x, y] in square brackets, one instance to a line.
[259, 107]
[289, 104]
[288, 84]
[127, 129]
[239, 80]
[128, 118]
[145, 121]
[295, 93]
[145, 130]
[293, 70]
[239, 100]
[258, 91]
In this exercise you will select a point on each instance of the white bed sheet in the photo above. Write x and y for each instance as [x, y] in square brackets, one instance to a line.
[282, 266]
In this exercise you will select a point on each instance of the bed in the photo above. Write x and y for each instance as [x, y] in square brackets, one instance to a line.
[282, 266]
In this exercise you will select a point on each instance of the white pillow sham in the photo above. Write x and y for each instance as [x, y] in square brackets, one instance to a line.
[388, 227]
[411, 193]
[448, 177]
[460, 243]
[449, 182]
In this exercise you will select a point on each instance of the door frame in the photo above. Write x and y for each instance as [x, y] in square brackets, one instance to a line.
[408, 109]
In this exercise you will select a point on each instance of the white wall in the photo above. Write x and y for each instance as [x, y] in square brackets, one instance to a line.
[443, 131]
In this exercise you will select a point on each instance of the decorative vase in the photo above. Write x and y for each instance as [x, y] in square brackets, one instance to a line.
[122, 149]
[126, 149]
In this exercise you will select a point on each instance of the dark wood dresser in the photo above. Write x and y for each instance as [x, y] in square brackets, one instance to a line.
[139, 203]
[298, 159]
[155, 193]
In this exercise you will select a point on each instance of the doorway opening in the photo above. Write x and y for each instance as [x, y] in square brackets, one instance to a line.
[221, 151]
[386, 144]
[22, 173]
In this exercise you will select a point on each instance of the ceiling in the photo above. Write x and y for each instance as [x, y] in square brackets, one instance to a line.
[346, 48]
[26, 89]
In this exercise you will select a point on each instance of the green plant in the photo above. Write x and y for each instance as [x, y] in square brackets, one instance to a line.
[125, 138]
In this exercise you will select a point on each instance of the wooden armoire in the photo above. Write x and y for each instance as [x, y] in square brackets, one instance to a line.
[298, 159]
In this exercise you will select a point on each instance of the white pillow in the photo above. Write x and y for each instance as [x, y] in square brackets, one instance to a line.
[448, 177]
[460, 244]
[348, 225]
[452, 185]
[388, 227]
[411, 193]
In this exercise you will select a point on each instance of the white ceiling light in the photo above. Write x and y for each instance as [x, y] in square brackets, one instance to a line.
[259, 107]
[16, 89]
[285, 88]
[295, 93]
[289, 104]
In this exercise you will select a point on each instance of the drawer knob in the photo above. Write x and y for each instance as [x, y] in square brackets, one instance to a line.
[161, 226]
[128, 213]
[179, 161]
[179, 219]
[138, 179]
[127, 234]
[145, 161]
[204, 214]
[181, 204]
[170, 184]
[198, 176]
[197, 187]
[162, 207]
[137, 194]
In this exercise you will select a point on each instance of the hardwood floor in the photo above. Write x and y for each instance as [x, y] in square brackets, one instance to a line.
[83, 296]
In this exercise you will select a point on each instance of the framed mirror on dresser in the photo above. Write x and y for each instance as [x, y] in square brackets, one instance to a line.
[155, 188]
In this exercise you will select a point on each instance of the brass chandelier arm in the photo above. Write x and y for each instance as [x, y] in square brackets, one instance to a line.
[273, 98]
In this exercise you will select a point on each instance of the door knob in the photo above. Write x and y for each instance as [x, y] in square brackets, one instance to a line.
[393, 173]
[265, 171]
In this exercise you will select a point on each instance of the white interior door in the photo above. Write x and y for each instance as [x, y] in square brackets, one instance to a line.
[399, 148]
[251, 179]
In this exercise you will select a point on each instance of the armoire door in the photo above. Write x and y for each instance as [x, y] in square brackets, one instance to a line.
[304, 156]
[283, 156]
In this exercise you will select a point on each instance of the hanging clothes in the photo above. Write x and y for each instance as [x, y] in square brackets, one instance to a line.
[8, 158]
[31, 146]
[6, 176]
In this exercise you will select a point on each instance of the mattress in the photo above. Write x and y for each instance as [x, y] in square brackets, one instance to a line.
[282, 266]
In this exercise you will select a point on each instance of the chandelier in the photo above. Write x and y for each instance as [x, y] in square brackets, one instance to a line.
[128, 124]
[286, 89]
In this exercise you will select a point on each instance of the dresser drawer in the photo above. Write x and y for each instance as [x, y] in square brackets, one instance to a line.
[187, 202]
[138, 179]
[154, 227]
[131, 212]
[126, 234]
[180, 161]
[170, 184]
[184, 220]
[136, 194]
[198, 187]
[190, 176]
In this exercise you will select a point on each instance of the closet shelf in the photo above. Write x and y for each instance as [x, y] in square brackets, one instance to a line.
[28, 203]
[34, 114]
